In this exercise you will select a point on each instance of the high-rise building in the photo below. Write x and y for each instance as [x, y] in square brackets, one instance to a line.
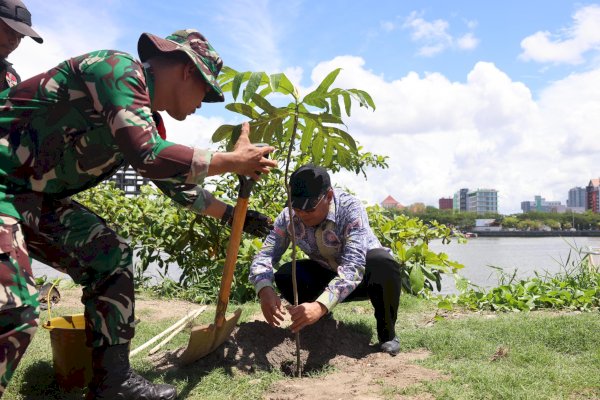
[446, 203]
[482, 201]
[592, 195]
[541, 205]
[128, 180]
[576, 197]
[460, 200]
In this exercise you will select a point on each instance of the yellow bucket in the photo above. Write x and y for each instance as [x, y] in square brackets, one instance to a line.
[72, 359]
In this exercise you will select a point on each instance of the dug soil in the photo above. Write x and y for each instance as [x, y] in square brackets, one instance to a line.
[338, 362]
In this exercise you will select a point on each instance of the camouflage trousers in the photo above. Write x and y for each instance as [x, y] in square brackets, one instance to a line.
[73, 240]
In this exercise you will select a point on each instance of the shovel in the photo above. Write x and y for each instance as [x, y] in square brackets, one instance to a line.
[205, 339]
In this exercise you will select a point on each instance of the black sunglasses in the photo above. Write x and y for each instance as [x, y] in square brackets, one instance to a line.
[312, 204]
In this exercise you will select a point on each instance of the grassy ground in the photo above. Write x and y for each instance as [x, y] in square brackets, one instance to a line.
[536, 355]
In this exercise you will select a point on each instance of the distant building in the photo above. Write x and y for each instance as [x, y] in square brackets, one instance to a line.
[129, 181]
[459, 202]
[576, 197]
[592, 196]
[446, 203]
[391, 203]
[541, 205]
[486, 225]
[482, 201]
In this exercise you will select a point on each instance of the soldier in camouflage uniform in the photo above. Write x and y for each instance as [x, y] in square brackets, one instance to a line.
[15, 22]
[70, 128]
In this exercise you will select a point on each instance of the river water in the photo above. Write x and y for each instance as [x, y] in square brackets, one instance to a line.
[525, 255]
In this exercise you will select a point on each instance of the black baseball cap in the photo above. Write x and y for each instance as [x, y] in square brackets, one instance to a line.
[17, 16]
[307, 184]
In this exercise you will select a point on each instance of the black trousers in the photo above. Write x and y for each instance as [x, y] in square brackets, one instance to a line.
[381, 284]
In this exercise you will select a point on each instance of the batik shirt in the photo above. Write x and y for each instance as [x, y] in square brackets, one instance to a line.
[70, 128]
[340, 244]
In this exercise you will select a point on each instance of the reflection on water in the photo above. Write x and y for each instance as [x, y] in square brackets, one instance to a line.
[525, 255]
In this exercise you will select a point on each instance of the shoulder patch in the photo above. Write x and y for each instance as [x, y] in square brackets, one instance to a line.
[11, 79]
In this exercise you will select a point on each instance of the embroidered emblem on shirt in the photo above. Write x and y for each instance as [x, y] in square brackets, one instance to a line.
[11, 79]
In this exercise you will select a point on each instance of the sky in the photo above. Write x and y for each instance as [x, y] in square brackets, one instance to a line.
[469, 94]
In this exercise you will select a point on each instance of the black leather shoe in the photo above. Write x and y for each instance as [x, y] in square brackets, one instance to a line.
[134, 387]
[391, 347]
[114, 379]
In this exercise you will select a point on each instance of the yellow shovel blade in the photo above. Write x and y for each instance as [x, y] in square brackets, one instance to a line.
[205, 339]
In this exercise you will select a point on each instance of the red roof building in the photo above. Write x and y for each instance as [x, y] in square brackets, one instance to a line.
[390, 202]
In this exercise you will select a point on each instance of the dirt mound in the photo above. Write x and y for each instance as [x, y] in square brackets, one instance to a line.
[359, 370]
[257, 346]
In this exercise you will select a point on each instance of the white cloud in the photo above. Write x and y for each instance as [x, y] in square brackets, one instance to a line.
[568, 46]
[486, 132]
[196, 130]
[434, 36]
[467, 42]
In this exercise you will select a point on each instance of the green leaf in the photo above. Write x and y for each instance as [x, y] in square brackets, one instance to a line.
[222, 132]
[347, 102]
[243, 109]
[329, 79]
[307, 135]
[330, 118]
[253, 85]
[237, 83]
[328, 155]
[280, 83]
[317, 148]
[417, 279]
[445, 305]
[270, 130]
[316, 100]
[257, 129]
[235, 135]
[263, 103]
[344, 136]
[335, 106]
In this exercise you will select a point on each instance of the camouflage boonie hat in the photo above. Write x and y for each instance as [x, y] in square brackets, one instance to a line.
[195, 45]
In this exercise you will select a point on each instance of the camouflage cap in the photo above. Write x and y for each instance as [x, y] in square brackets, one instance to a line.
[195, 45]
[17, 16]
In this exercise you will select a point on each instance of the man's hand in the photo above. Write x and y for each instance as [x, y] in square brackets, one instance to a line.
[251, 159]
[306, 314]
[270, 304]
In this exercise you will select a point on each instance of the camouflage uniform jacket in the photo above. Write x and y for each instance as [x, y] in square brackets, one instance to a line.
[70, 128]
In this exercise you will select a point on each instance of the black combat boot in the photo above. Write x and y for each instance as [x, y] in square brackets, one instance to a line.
[114, 379]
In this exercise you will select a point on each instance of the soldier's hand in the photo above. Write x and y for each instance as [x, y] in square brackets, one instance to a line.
[251, 160]
[257, 224]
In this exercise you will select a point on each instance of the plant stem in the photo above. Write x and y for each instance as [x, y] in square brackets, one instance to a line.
[293, 234]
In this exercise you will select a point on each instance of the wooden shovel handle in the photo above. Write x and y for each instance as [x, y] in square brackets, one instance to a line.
[239, 216]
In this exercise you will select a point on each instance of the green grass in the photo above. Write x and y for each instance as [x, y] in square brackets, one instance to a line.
[550, 356]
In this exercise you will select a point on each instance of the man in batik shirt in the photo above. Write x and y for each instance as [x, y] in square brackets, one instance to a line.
[15, 22]
[346, 261]
[69, 129]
